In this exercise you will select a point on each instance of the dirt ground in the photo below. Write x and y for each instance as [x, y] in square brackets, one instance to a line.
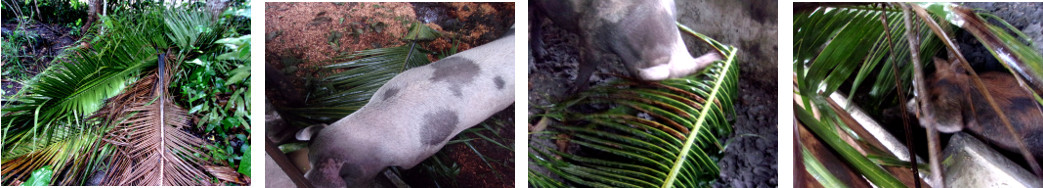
[306, 36]
[749, 161]
[51, 40]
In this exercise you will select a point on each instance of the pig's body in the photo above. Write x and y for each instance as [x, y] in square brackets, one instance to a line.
[956, 104]
[642, 33]
[414, 114]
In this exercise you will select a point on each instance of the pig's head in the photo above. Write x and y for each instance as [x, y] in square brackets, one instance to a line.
[650, 45]
[947, 96]
[332, 162]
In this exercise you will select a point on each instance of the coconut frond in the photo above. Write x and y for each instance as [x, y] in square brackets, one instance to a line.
[822, 61]
[340, 94]
[50, 115]
[152, 146]
[866, 46]
[191, 29]
[659, 134]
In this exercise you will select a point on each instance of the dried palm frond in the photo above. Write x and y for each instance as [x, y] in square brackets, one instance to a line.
[152, 146]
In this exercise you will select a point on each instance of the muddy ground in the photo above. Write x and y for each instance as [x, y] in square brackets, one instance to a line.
[302, 37]
[749, 161]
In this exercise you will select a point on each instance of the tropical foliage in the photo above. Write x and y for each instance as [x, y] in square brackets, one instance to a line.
[110, 104]
[661, 134]
[866, 48]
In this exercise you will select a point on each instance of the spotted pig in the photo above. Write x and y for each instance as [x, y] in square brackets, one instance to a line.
[413, 115]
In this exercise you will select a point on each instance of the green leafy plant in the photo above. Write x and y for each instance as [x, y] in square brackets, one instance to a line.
[40, 177]
[217, 89]
[673, 146]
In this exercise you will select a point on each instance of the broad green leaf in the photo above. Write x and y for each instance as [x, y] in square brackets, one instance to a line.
[40, 177]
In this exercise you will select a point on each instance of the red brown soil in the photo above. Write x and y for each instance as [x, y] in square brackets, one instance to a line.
[303, 29]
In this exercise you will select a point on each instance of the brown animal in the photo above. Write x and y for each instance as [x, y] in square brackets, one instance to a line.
[955, 104]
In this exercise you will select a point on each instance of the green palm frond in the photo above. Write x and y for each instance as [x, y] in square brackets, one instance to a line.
[65, 155]
[673, 146]
[832, 44]
[191, 29]
[419, 31]
[342, 93]
[62, 116]
[823, 64]
[65, 94]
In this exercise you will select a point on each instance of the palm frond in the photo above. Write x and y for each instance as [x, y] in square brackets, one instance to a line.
[833, 43]
[822, 64]
[672, 146]
[66, 156]
[191, 29]
[154, 141]
[65, 94]
[340, 94]
[64, 114]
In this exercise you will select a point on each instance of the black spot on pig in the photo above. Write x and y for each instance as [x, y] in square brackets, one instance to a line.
[437, 126]
[390, 92]
[1023, 104]
[499, 82]
[456, 71]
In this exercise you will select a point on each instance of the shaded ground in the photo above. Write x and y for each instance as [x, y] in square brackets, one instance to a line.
[749, 161]
[302, 37]
[48, 41]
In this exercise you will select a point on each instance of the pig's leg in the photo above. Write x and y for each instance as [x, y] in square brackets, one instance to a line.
[682, 69]
[536, 35]
[588, 60]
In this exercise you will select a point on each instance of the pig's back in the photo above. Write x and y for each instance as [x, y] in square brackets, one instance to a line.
[1017, 104]
[433, 103]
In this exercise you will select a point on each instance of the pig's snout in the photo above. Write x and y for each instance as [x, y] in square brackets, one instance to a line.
[335, 173]
[677, 65]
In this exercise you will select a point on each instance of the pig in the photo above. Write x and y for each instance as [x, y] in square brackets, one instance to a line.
[642, 33]
[412, 116]
[956, 105]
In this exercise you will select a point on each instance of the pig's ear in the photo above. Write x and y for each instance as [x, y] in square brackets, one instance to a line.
[308, 132]
[940, 64]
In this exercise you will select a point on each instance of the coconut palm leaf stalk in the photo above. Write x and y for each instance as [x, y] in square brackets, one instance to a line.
[661, 134]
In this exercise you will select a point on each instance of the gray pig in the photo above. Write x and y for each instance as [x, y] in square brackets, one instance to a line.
[413, 116]
[642, 33]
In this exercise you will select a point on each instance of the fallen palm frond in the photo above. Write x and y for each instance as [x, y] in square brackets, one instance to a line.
[96, 114]
[662, 134]
[48, 124]
[152, 146]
